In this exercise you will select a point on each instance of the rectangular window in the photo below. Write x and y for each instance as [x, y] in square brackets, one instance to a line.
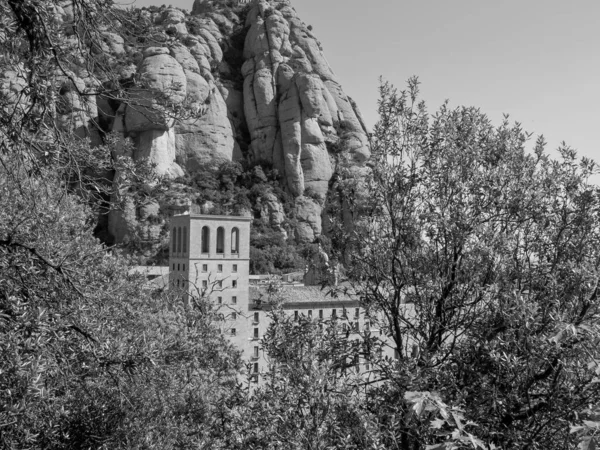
[220, 300]
[255, 333]
[233, 283]
[233, 316]
[356, 313]
[234, 300]
[344, 313]
[321, 314]
[256, 350]
[204, 284]
[220, 268]
[333, 313]
[178, 267]
[256, 317]
[233, 331]
[310, 313]
[296, 315]
[204, 267]
[255, 367]
[234, 269]
[173, 266]
[220, 283]
[344, 328]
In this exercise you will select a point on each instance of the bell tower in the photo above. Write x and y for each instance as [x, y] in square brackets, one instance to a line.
[209, 257]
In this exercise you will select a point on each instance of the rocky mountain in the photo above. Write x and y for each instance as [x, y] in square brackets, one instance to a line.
[252, 86]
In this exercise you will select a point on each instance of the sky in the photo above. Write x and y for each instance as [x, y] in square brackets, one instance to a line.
[536, 60]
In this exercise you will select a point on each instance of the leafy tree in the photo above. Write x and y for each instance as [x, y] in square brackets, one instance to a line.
[483, 259]
[312, 396]
[91, 358]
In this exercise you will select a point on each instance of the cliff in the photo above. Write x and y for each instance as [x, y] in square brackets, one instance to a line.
[251, 87]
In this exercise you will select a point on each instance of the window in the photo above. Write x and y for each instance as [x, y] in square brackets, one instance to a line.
[177, 283]
[220, 300]
[233, 283]
[234, 300]
[321, 314]
[333, 314]
[255, 368]
[179, 240]
[204, 267]
[173, 266]
[235, 241]
[233, 331]
[310, 313]
[234, 269]
[205, 239]
[204, 284]
[184, 239]
[219, 268]
[174, 235]
[220, 240]
[256, 350]
[233, 316]
[256, 317]
[255, 333]
[184, 267]
[178, 266]
[344, 314]
[344, 327]
[356, 313]
[220, 283]
[296, 315]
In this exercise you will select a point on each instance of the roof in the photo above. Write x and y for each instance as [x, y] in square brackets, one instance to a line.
[149, 271]
[304, 297]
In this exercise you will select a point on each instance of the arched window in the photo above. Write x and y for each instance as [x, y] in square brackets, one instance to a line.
[235, 240]
[179, 240]
[184, 239]
[205, 239]
[220, 240]
[174, 236]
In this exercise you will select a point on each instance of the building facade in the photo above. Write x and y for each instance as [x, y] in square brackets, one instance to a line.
[210, 257]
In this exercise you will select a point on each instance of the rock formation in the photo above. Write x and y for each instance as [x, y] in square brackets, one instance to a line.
[248, 82]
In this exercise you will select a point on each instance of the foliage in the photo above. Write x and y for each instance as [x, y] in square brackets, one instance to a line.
[483, 260]
[90, 358]
[311, 396]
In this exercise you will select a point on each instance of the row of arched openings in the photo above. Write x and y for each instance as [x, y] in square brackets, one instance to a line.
[179, 240]
[235, 240]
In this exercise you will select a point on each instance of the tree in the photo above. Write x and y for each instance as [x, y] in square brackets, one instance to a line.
[312, 395]
[91, 357]
[483, 258]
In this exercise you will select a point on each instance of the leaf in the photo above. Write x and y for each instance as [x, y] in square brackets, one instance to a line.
[437, 424]
[588, 443]
[457, 418]
[591, 424]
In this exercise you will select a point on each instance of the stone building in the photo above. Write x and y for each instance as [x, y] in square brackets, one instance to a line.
[210, 256]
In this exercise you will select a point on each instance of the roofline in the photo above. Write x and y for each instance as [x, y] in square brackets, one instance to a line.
[214, 216]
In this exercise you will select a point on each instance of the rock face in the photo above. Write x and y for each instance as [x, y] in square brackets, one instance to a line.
[249, 82]
[294, 105]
